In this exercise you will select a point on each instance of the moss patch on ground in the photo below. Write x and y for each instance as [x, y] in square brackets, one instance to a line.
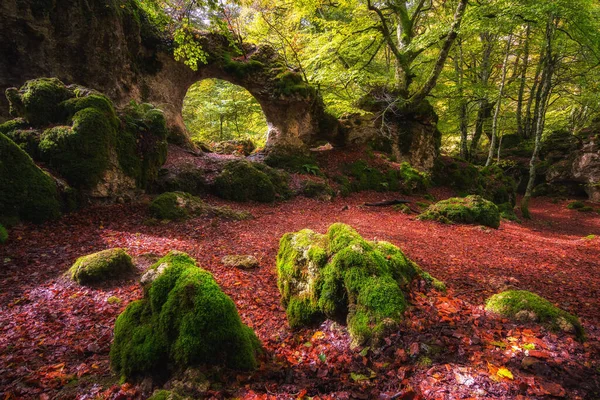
[183, 320]
[175, 206]
[465, 210]
[340, 275]
[524, 306]
[245, 181]
[3, 234]
[26, 192]
[102, 266]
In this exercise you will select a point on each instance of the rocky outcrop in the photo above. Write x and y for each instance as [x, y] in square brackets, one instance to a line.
[79, 136]
[586, 167]
[110, 46]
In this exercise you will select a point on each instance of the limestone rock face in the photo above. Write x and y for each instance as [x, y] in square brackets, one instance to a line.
[110, 46]
[586, 168]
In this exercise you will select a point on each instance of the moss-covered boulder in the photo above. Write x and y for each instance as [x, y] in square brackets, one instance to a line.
[242, 147]
[79, 135]
[524, 306]
[38, 101]
[26, 192]
[183, 320]
[405, 179]
[175, 206]
[465, 210]
[102, 266]
[240, 261]
[317, 190]
[340, 275]
[244, 181]
[3, 234]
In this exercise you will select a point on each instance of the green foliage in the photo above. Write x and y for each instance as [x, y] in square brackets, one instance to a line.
[405, 179]
[101, 266]
[341, 275]
[26, 192]
[468, 210]
[3, 234]
[291, 83]
[183, 320]
[244, 181]
[215, 110]
[525, 306]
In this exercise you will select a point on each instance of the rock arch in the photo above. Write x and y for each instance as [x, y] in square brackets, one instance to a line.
[111, 47]
[293, 109]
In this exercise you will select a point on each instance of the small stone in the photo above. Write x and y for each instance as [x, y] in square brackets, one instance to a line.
[240, 261]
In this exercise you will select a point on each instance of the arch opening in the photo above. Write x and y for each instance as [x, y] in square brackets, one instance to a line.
[215, 111]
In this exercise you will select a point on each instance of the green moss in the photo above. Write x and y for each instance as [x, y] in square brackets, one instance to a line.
[405, 179]
[468, 210]
[3, 234]
[81, 153]
[183, 320]
[165, 395]
[96, 101]
[290, 83]
[142, 142]
[240, 69]
[175, 206]
[313, 189]
[289, 158]
[27, 139]
[38, 101]
[575, 205]
[244, 181]
[279, 178]
[585, 209]
[490, 182]
[341, 275]
[529, 307]
[26, 192]
[101, 266]
[13, 125]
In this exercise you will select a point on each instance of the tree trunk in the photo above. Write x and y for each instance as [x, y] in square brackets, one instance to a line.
[519, 112]
[463, 114]
[542, 101]
[499, 104]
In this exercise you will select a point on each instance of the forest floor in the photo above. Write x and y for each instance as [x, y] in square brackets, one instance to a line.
[55, 336]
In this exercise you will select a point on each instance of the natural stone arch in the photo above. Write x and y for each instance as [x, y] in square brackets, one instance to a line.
[294, 110]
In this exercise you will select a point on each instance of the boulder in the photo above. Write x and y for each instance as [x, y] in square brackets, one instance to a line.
[586, 167]
[184, 320]
[102, 266]
[26, 192]
[472, 209]
[235, 147]
[81, 137]
[340, 275]
[524, 306]
[241, 180]
[174, 206]
[240, 261]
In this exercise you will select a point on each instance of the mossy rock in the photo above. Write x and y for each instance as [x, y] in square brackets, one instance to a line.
[142, 142]
[81, 152]
[490, 182]
[290, 159]
[183, 320]
[406, 179]
[466, 210]
[317, 190]
[242, 147]
[174, 206]
[26, 192]
[240, 261]
[524, 306]
[340, 275]
[241, 180]
[102, 266]
[3, 234]
[165, 395]
[186, 178]
[576, 205]
[39, 101]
